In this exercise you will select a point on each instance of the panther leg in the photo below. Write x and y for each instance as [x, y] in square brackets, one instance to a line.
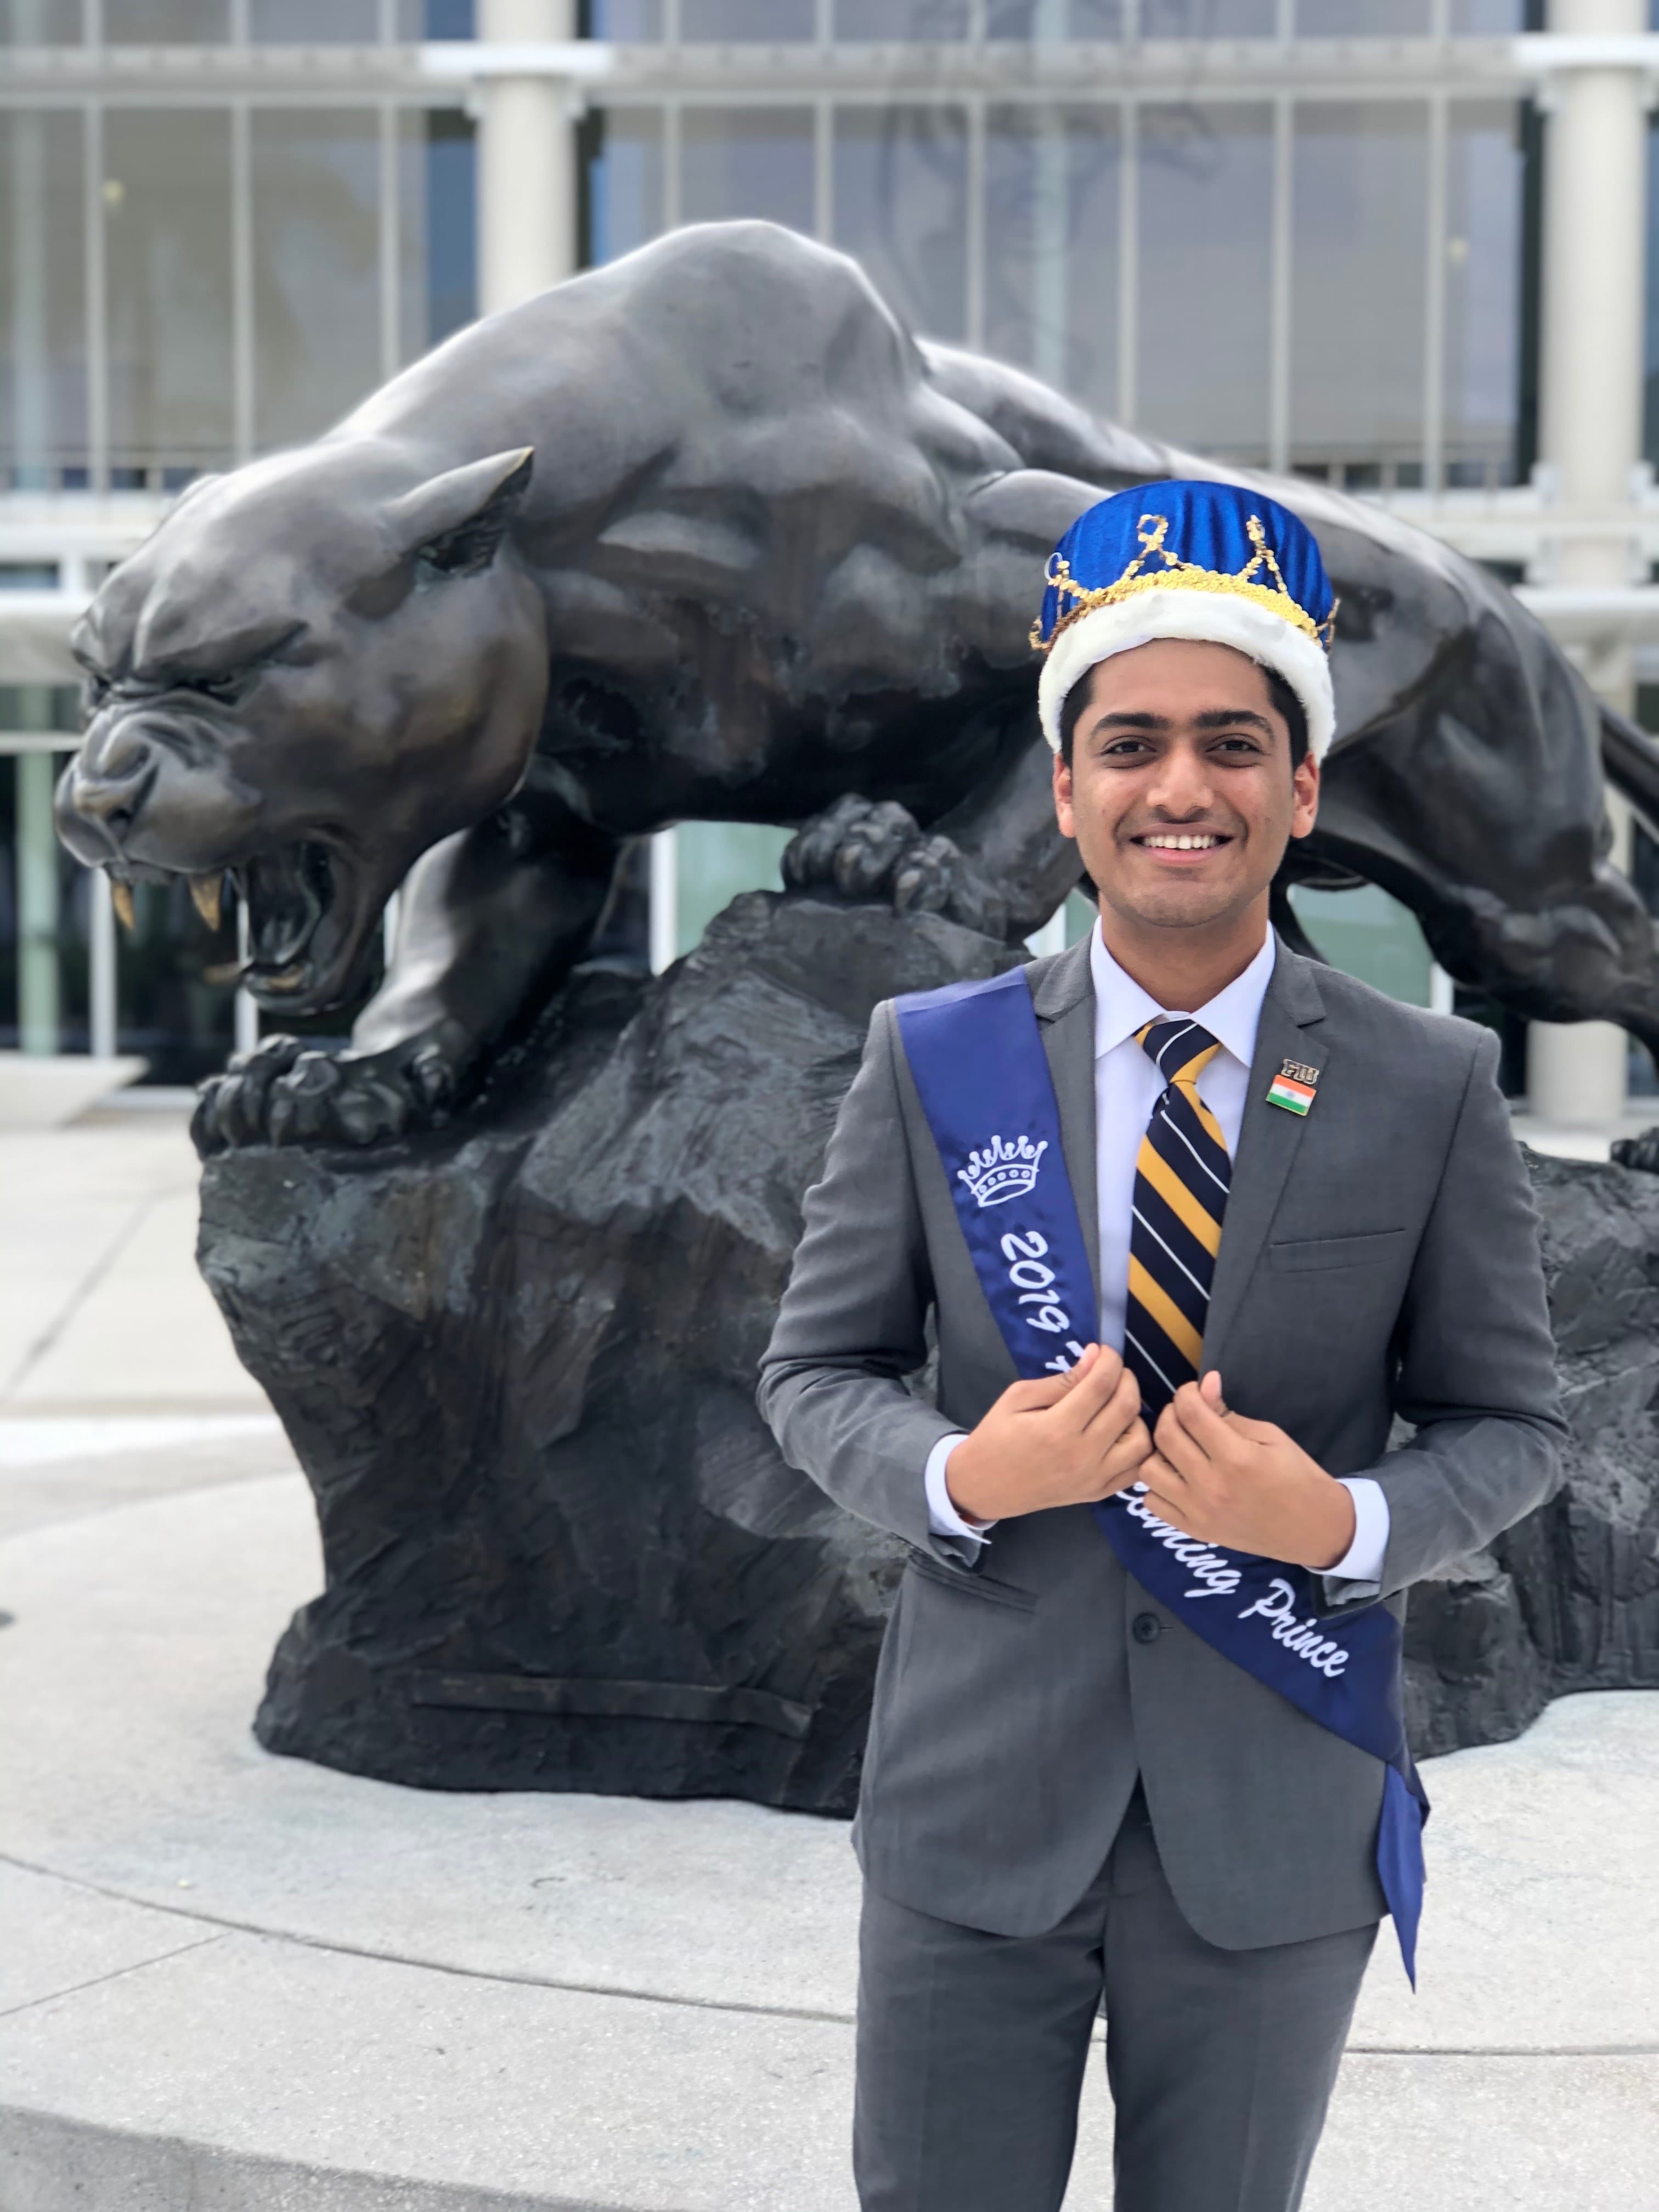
[492, 919]
[1006, 831]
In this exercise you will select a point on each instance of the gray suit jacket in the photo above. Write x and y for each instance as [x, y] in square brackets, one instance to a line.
[1380, 1256]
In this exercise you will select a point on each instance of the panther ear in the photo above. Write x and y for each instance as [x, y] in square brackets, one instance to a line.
[453, 523]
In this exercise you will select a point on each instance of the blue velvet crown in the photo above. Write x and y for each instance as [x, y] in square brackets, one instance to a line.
[1187, 537]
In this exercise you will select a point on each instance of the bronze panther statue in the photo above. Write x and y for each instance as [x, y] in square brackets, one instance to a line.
[705, 534]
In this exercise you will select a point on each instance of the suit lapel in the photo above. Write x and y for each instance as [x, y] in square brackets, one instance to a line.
[1268, 1139]
[1063, 995]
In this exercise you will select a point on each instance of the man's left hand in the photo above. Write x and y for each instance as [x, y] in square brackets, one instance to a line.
[1243, 1484]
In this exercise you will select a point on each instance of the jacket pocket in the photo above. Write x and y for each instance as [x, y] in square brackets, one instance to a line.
[1308, 1252]
[969, 1583]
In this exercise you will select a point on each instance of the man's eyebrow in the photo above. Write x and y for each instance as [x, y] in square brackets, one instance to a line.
[1227, 718]
[1212, 718]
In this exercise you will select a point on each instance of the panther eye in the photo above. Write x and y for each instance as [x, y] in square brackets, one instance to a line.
[226, 690]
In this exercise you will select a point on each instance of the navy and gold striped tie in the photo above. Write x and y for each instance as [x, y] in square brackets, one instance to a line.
[1182, 1176]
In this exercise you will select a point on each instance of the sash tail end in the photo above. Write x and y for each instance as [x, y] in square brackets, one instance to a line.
[1400, 1863]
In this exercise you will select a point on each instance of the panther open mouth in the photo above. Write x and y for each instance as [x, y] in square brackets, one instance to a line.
[308, 922]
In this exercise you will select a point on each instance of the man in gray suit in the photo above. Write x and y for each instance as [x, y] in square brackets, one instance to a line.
[1071, 1794]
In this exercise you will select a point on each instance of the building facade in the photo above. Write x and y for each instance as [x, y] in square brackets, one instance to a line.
[1398, 245]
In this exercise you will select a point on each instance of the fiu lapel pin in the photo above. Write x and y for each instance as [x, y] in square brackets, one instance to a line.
[1295, 1087]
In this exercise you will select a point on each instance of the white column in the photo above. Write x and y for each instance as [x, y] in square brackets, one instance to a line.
[38, 998]
[246, 1011]
[664, 900]
[527, 161]
[1595, 226]
[1051, 937]
[103, 986]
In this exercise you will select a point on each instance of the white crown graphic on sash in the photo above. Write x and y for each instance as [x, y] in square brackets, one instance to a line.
[1003, 1170]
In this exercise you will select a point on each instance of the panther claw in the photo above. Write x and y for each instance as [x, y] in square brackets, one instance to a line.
[284, 1093]
[867, 850]
[1641, 1153]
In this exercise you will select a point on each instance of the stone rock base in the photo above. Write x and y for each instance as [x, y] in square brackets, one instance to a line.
[1569, 1599]
[516, 1358]
[517, 1361]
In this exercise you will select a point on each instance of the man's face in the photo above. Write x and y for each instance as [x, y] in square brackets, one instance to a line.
[1180, 794]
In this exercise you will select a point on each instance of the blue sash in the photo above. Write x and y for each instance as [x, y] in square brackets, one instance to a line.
[976, 1056]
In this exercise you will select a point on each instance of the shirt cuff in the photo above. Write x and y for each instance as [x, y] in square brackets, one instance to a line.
[1363, 1560]
[943, 1517]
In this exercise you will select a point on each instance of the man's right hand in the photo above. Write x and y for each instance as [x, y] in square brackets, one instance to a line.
[1067, 1440]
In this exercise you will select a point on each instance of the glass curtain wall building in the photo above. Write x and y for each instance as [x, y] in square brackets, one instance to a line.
[1302, 233]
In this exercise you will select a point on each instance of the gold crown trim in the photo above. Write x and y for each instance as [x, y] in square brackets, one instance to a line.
[1180, 576]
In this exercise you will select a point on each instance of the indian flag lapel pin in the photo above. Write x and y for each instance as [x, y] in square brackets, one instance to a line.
[1295, 1087]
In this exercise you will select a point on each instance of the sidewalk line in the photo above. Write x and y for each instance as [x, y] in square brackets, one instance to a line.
[78, 1297]
[115, 1973]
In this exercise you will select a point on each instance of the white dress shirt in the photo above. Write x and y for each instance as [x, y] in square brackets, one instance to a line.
[1127, 1087]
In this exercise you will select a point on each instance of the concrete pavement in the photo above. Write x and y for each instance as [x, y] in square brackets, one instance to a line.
[101, 1309]
[248, 1981]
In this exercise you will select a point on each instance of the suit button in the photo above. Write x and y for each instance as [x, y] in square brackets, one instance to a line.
[1145, 1628]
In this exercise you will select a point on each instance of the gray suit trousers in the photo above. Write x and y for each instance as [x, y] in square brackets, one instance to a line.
[971, 2049]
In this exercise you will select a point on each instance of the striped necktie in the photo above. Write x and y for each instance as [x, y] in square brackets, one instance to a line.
[1182, 1176]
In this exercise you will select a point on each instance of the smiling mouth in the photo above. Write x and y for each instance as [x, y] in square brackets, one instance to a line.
[299, 912]
[1181, 841]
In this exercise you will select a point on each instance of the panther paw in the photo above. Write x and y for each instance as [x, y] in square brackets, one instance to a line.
[867, 849]
[285, 1092]
[1641, 1151]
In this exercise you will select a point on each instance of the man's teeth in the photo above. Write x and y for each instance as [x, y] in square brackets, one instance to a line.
[1168, 843]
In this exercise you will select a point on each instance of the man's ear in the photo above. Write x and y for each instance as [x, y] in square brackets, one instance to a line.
[1063, 813]
[453, 523]
[1304, 792]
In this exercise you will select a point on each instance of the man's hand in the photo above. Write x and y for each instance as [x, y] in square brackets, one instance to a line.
[1243, 1484]
[1064, 1441]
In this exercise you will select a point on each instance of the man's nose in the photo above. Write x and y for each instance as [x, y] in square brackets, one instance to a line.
[1181, 785]
[109, 779]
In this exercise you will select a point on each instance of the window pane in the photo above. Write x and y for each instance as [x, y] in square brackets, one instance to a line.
[930, 22]
[637, 22]
[1208, 18]
[43, 904]
[316, 268]
[1047, 21]
[167, 228]
[747, 160]
[715, 861]
[1366, 933]
[624, 188]
[1357, 290]
[1351, 19]
[1204, 268]
[414, 242]
[1051, 258]
[1483, 294]
[165, 22]
[768, 21]
[314, 22]
[43, 346]
[40, 22]
[451, 231]
[1490, 19]
[900, 177]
